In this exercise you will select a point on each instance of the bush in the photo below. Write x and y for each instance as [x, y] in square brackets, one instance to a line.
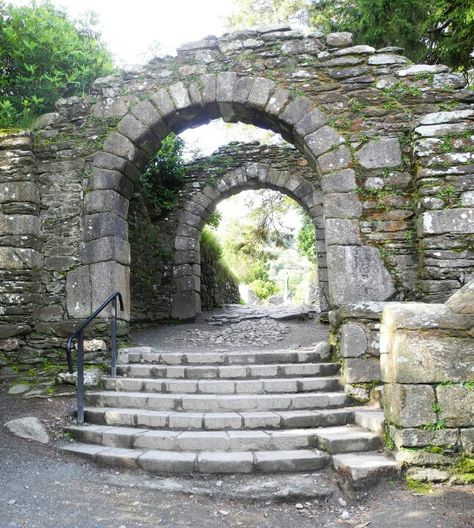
[44, 55]
[264, 289]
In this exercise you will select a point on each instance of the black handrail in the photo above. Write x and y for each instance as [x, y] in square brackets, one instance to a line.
[79, 335]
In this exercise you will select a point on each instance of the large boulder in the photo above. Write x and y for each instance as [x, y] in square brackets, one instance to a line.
[29, 427]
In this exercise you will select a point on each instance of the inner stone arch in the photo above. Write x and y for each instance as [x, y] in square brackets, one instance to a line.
[186, 302]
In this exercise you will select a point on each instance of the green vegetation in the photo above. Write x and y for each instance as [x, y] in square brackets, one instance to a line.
[44, 55]
[164, 176]
[416, 486]
[307, 237]
[434, 32]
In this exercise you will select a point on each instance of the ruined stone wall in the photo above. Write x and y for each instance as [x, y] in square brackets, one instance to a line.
[351, 110]
[427, 358]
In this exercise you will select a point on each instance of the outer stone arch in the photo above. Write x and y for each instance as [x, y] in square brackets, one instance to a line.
[254, 100]
[186, 302]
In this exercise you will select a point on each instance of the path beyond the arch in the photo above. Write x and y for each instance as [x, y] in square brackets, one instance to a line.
[255, 396]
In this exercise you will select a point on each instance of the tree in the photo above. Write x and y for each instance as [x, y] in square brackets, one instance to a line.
[45, 55]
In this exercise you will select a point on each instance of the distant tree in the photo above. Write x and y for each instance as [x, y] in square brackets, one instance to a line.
[45, 55]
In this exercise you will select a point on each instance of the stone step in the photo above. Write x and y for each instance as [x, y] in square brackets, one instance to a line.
[371, 419]
[203, 462]
[287, 370]
[360, 470]
[260, 357]
[189, 421]
[256, 386]
[213, 403]
[182, 441]
[347, 439]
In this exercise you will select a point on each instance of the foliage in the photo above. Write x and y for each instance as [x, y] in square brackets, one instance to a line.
[164, 176]
[45, 55]
[214, 219]
[210, 243]
[441, 31]
[264, 289]
[307, 237]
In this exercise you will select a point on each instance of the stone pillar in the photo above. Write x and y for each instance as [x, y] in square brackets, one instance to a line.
[20, 242]
[427, 359]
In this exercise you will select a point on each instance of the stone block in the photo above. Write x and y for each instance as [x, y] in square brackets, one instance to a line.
[104, 179]
[411, 437]
[339, 39]
[462, 302]
[322, 140]
[19, 258]
[380, 153]
[335, 160]
[167, 462]
[180, 96]
[138, 133]
[163, 103]
[357, 273]
[102, 201]
[361, 370]
[106, 278]
[79, 293]
[119, 145]
[278, 101]
[225, 86]
[208, 88]
[242, 88]
[418, 69]
[460, 220]
[225, 462]
[339, 182]
[386, 59]
[437, 118]
[467, 440]
[424, 357]
[106, 248]
[261, 92]
[100, 225]
[185, 305]
[342, 205]
[311, 122]
[341, 231]
[353, 340]
[457, 405]
[19, 225]
[296, 110]
[409, 405]
[19, 192]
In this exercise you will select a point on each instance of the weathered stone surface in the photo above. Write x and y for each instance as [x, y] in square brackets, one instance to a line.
[409, 405]
[457, 405]
[353, 340]
[339, 39]
[342, 205]
[411, 437]
[460, 220]
[335, 160]
[323, 140]
[79, 292]
[29, 427]
[385, 59]
[427, 475]
[419, 357]
[341, 231]
[186, 305]
[92, 377]
[357, 273]
[19, 388]
[338, 182]
[380, 153]
[462, 302]
[467, 440]
[445, 117]
[418, 69]
[361, 370]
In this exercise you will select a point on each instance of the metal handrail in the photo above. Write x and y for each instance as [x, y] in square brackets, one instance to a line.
[79, 335]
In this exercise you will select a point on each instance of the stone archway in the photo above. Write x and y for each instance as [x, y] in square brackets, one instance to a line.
[356, 272]
[186, 302]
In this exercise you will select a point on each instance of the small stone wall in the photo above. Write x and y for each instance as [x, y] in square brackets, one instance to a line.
[427, 359]
[218, 286]
[355, 338]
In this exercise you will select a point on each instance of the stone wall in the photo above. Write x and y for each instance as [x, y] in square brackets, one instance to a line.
[427, 359]
[218, 286]
[354, 113]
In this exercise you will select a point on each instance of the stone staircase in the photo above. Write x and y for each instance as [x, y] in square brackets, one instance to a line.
[229, 412]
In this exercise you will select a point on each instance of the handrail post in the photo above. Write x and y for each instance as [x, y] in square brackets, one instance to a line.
[113, 340]
[80, 379]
